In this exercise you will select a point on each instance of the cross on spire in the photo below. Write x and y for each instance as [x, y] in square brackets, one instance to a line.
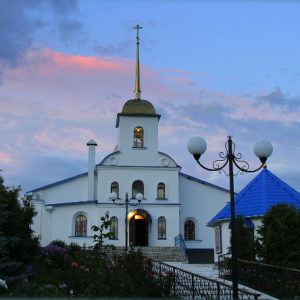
[137, 27]
[137, 91]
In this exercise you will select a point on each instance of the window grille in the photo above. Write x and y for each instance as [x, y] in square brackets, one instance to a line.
[114, 227]
[189, 230]
[137, 187]
[115, 188]
[161, 228]
[81, 226]
[161, 191]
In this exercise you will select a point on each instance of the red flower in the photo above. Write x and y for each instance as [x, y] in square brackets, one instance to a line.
[87, 270]
[150, 273]
[74, 264]
[123, 280]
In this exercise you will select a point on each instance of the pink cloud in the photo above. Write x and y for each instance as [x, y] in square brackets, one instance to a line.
[76, 86]
[5, 158]
[86, 64]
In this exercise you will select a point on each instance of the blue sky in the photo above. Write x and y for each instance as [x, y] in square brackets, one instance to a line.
[210, 68]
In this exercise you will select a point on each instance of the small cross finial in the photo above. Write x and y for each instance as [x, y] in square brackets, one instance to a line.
[137, 27]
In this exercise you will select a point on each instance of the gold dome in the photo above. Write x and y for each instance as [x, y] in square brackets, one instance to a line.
[138, 107]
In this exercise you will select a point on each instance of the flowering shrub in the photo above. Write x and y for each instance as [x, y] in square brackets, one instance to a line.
[53, 255]
[90, 273]
[29, 271]
[132, 276]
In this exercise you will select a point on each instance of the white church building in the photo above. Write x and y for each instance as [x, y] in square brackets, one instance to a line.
[173, 203]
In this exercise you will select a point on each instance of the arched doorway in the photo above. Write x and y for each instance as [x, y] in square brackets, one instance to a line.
[139, 228]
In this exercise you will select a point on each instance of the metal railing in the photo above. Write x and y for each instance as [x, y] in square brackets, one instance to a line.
[187, 285]
[179, 242]
[276, 281]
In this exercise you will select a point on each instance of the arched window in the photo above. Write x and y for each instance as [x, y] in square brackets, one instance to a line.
[137, 187]
[189, 230]
[114, 227]
[115, 188]
[80, 225]
[138, 137]
[161, 228]
[161, 191]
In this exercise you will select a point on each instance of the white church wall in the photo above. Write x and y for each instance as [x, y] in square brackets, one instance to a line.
[42, 222]
[226, 233]
[139, 157]
[171, 214]
[126, 130]
[63, 222]
[150, 176]
[225, 238]
[200, 202]
[37, 220]
[73, 190]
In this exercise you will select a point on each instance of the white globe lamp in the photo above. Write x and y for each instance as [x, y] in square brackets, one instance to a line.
[197, 146]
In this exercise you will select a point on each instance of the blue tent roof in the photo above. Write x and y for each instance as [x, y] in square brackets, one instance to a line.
[261, 193]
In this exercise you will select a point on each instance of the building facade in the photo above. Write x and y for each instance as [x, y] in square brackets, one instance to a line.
[173, 203]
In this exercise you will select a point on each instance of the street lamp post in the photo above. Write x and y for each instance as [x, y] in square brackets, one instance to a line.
[126, 202]
[262, 149]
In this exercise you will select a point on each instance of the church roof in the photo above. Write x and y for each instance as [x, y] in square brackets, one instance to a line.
[259, 195]
[189, 177]
[58, 182]
[138, 106]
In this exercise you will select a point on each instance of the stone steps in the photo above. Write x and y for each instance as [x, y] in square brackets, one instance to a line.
[162, 254]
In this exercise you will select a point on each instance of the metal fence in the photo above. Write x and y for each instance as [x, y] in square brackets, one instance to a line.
[281, 283]
[187, 285]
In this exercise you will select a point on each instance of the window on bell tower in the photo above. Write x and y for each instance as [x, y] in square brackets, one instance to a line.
[138, 137]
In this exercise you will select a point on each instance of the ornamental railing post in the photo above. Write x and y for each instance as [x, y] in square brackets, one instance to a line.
[193, 286]
[174, 281]
[283, 284]
[126, 229]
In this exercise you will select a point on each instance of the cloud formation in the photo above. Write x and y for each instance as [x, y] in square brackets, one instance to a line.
[54, 98]
[280, 100]
[53, 103]
[20, 22]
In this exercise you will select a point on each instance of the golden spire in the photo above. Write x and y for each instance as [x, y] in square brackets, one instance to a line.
[137, 92]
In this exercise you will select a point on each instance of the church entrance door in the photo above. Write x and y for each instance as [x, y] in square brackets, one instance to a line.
[138, 230]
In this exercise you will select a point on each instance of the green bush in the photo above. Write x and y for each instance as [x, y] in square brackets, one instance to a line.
[279, 243]
[91, 273]
[59, 243]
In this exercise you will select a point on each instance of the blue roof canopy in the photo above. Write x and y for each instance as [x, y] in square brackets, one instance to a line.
[264, 191]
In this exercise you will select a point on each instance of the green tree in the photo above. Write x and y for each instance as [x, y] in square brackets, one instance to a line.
[244, 240]
[279, 242]
[18, 224]
[9, 270]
